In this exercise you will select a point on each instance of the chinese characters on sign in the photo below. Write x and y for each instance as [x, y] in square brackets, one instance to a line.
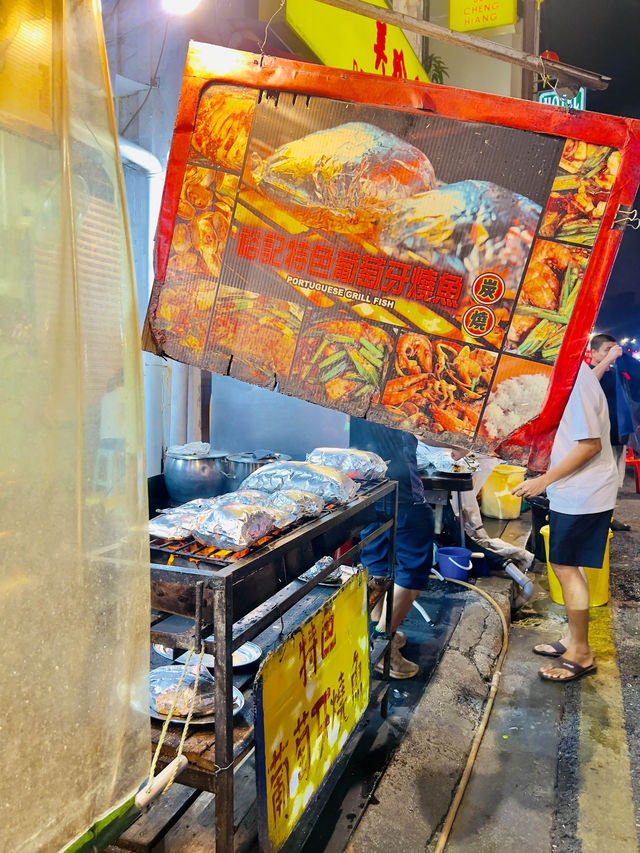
[364, 45]
[303, 258]
[310, 693]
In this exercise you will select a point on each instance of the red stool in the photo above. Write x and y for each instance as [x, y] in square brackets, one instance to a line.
[635, 463]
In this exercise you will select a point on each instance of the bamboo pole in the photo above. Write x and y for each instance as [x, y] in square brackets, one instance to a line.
[546, 67]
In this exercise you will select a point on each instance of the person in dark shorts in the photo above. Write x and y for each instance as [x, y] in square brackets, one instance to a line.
[414, 531]
[605, 352]
[581, 484]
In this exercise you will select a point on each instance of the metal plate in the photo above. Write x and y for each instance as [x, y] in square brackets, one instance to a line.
[247, 654]
[206, 719]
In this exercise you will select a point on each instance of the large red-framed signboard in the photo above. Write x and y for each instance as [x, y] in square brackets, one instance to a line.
[425, 257]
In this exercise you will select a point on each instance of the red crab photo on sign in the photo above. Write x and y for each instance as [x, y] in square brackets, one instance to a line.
[425, 257]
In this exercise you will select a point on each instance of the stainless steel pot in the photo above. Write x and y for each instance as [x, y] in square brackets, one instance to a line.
[240, 465]
[188, 476]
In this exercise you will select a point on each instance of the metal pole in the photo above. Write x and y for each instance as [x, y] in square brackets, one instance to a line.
[530, 44]
[223, 672]
[590, 79]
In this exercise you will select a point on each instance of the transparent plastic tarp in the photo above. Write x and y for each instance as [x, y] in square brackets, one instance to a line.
[74, 559]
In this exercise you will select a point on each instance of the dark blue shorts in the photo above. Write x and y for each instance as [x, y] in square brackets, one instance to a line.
[414, 547]
[578, 540]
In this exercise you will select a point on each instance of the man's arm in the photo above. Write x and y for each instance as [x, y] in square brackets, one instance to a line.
[600, 369]
[585, 449]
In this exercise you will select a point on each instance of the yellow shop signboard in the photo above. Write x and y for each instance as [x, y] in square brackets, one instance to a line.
[310, 693]
[466, 15]
[344, 39]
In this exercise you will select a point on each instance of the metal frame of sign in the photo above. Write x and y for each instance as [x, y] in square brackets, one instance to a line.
[531, 443]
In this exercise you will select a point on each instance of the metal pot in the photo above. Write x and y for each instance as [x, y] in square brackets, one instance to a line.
[188, 475]
[240, 465]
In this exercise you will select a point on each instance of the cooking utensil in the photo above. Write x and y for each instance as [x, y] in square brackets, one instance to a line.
[205, 719]
[190, 475]
[247, 654]
[240, 465]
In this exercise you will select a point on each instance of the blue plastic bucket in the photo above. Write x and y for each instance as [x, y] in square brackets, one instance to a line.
[481, 567]
[455, 563]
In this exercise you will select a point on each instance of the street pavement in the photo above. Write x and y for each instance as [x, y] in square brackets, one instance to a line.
[559, 766]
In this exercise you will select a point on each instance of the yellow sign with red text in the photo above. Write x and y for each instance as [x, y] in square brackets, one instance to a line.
[347, 40]
[310, 693]
[466, 15]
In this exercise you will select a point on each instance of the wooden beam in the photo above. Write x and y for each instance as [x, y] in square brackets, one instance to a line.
[546, 67]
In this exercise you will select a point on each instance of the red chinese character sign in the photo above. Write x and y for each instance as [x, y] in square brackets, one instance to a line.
[425, 257]
[310, 693]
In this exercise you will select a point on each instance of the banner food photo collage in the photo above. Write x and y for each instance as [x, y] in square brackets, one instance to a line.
[412, 268]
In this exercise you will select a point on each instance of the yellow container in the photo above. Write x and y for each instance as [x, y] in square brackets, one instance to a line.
[497, 500]
[598, 579]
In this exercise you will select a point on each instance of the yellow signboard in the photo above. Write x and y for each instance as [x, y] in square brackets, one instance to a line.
[344, 39]
[465, 15]
[26, 51]
[310, 693]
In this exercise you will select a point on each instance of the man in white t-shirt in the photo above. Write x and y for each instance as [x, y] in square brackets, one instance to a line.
[581, 485]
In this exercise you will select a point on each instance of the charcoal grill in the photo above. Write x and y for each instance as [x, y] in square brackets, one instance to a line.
[236, 596]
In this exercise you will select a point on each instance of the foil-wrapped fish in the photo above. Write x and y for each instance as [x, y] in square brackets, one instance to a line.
[233, 526]
[331, 485]
[297, 503]
[341, 179]
[175, 523]
[357, 464]
[444, 226]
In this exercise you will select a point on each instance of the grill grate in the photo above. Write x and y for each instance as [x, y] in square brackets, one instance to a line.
[218, 558]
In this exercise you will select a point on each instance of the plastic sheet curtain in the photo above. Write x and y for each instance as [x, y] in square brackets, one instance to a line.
[74, 599]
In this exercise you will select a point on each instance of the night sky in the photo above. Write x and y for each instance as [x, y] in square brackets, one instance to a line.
[602, 36]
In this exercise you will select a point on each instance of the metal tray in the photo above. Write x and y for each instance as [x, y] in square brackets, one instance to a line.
[247, 654]
[204, 720]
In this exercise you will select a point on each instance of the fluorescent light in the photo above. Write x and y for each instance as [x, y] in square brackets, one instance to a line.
[179, 7]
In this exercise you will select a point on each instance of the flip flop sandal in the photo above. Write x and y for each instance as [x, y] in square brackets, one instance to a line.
[575, 669]
[559, 647]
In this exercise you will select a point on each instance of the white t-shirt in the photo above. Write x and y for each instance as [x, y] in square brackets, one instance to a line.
[594, 487]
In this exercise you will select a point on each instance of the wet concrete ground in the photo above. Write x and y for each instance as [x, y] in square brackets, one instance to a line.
[559, 766]
[355, 789]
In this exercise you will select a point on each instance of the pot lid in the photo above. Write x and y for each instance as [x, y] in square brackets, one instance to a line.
[255, 456]
[194, 450]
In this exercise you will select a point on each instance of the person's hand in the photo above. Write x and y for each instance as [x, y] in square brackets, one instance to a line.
[530, 488]
[458, 453]
[613, 354]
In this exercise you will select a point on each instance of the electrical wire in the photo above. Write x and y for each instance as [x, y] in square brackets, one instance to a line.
[268, 25]
[152, 82]
[475, 746]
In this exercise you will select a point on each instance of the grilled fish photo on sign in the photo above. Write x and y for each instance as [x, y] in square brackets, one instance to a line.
[222, 124]
[343, 178]
[466, 227]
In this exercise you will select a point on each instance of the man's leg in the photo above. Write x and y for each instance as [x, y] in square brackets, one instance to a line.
[575, 592]
[402, 601]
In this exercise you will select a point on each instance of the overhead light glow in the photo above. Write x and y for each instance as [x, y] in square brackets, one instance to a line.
[179, 7]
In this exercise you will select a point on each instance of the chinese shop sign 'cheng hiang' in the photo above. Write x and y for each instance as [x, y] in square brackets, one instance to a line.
[425, 257]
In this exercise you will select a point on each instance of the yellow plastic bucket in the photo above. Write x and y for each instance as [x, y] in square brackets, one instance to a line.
[497, 500]
[598, 579]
